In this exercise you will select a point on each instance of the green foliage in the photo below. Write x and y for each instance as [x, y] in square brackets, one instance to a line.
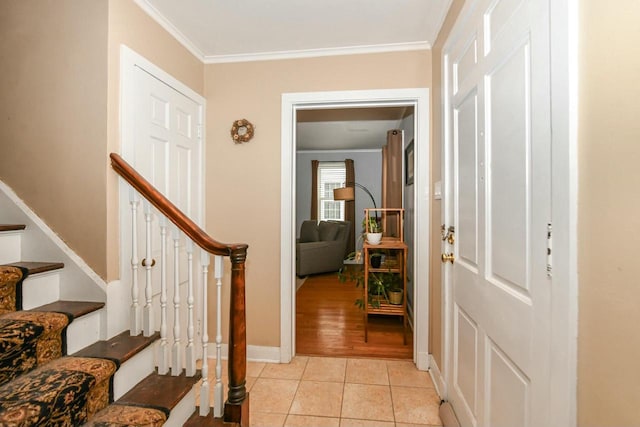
[380, 283]
[374, 225]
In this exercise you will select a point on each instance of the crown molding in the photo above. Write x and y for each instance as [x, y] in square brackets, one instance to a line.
[171, 29]
[314, 53]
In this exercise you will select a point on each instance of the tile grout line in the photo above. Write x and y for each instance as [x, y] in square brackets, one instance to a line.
[393, 410]
[344, 382]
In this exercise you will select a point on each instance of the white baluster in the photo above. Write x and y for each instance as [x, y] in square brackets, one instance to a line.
[204, 388]
[163, 358]
[135, 309]
[176, 367]
[148, 263]
[190, 354]
[217, 391]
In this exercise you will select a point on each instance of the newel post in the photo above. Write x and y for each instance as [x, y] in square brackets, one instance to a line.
[236, 408]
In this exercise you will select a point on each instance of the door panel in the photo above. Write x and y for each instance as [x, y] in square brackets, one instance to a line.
[500, 130]
[466, 128]
[507, 391]
[465, 371]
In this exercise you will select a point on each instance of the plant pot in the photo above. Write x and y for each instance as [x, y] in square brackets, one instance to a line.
[374, 238]
[376, 260]
[395, 297]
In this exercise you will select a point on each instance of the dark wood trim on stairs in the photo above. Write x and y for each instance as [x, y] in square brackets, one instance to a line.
[74, 309]
[37, 267]
[12, 227]
[208, 421]
[120, 348]
[162, 392]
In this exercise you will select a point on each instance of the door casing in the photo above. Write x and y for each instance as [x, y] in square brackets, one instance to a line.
[291, 102]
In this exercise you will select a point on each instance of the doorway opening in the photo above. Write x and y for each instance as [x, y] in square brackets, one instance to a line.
[308, 104]
[372, 142]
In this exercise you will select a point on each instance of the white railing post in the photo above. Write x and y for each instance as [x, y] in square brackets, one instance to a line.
[217, 391]
[148, 264]
[135, 309]
[176, 367]
[163, 357]
[204, 388]
[190, 354]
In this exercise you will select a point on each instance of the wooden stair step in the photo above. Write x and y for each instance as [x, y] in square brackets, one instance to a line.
[160, 391]
[74, 309]
[120, 348]
[37, 267]
[12, 227]
[195, 420]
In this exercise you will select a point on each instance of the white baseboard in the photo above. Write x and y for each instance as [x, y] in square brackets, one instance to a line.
[437, 378]
[422, 361]
[258, 353]
[255, 353]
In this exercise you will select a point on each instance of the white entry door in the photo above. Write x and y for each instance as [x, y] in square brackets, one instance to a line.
[497, 65]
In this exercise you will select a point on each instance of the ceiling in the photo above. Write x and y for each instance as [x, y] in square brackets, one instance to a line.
[219, 31]
[352, 129]
[243, 30]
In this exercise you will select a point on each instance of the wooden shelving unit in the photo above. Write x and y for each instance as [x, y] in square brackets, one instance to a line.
[396, 249]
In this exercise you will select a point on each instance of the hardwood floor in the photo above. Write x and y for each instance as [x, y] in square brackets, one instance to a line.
[329, 324]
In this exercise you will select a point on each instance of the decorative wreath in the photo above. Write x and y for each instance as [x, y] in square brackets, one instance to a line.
[242, 131]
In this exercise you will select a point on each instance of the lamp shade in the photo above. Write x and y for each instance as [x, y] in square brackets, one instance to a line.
[344, 193]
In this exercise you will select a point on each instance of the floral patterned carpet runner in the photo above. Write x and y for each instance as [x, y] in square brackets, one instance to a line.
[40, 387]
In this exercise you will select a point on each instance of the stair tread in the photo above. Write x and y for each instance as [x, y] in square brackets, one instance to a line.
[195, 420]
[37, 267]
[12, 227]
[74, 308]
[160, 391]
[120, 348]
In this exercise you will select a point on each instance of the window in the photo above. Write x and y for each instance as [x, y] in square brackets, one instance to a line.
[330, 175]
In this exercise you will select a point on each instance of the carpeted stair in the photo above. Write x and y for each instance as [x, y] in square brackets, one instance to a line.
[40, 385]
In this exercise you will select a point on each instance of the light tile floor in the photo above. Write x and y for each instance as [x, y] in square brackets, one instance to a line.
[340, 392]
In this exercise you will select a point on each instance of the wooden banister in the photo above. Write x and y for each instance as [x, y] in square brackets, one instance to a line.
[171, 211]
[237, 406]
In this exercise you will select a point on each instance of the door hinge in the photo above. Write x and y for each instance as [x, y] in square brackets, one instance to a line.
[549, 249]
[199, 131]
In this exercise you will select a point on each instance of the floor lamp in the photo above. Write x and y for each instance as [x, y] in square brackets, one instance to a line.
[348, 194]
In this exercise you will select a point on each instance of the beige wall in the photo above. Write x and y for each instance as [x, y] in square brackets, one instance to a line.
[435, 281]
[609, 214]
[53, 109]
[243, 181]
[129, 25]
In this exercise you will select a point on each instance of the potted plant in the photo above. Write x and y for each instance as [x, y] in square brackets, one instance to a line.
[383, 286]
[373, 230]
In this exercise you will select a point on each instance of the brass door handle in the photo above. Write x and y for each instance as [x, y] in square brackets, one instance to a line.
[448, 257]
[144, 262]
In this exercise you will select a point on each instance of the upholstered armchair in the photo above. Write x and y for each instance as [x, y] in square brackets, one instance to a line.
[321, 247]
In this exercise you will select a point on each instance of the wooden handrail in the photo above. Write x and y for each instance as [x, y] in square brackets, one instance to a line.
[236, 408]
[171, 211]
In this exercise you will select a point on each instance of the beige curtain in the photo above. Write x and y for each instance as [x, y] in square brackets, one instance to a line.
[314, 189]
[350, 207]
[392, 178]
